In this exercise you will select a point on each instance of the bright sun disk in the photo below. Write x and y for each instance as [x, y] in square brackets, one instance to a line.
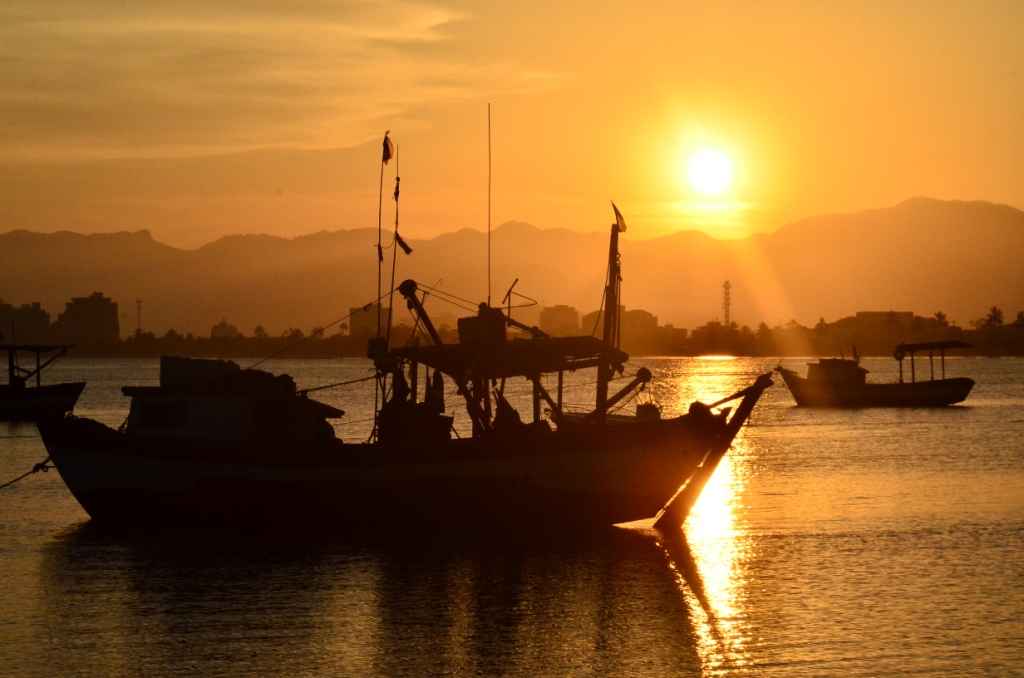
[709, 171]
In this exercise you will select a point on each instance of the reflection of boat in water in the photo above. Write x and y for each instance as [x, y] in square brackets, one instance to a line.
[835, 382]
[214, 442]
[21, 402]
[499, 600]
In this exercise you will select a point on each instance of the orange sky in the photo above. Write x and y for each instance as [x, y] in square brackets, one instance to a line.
[821, 107]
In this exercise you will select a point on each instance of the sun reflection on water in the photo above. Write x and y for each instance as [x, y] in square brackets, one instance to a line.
[716, 545]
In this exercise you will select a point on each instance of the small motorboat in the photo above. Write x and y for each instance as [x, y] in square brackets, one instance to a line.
[21, 402]
[839, 382]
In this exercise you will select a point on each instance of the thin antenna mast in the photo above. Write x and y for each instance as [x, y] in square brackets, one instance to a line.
[394, 253]
[488, 203]
[380, 249]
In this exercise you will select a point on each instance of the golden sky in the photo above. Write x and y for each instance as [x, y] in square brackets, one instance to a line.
[819, 107]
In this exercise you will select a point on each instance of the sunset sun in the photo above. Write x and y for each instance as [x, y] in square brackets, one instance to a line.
[709, 172]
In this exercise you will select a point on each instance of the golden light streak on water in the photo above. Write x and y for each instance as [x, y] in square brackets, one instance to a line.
[717, 544]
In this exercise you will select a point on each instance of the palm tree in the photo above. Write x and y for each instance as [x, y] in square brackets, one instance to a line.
[994, 317]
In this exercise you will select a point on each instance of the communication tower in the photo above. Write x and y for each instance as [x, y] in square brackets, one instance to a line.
[726, 302]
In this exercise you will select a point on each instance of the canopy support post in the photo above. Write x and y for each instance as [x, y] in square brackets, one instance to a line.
[536, 397]
[541, 392]
[414, 380]
[931, 366]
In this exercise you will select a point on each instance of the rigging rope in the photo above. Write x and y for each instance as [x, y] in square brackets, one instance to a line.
[468, 304]
[304, 391]
[316, 332]
[448, 296]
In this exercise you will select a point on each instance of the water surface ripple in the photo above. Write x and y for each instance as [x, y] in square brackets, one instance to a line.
[830, 542]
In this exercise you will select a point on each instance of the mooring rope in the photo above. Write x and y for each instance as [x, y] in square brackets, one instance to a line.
[41, 466]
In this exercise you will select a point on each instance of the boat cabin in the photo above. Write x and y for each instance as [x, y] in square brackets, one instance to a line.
[837, 371]
[217, 400]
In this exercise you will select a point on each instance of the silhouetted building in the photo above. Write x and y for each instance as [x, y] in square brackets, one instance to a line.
[89, 320]
[593, 322]
[26, 324]
[560, 320]
[224, 330]
[634, 322]
[638, 321]
[363, 320]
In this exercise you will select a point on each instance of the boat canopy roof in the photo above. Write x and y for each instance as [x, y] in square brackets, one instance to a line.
[931, 346]
[516, 358]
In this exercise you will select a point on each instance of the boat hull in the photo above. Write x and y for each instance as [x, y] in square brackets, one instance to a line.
[932, 393]
[538, 478]
[38, 402]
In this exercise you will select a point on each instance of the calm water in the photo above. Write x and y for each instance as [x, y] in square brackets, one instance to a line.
[870, 542]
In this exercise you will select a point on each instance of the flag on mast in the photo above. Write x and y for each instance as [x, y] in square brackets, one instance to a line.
[620, 223]
[389, 148]
[404, 245]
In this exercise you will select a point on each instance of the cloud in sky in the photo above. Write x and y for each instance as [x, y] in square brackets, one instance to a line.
[110, 78]
[823, 107]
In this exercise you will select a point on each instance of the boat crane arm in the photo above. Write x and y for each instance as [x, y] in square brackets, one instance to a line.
[533, 330]
[408, 290]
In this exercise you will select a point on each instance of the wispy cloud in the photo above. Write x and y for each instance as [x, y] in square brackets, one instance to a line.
[104, 78]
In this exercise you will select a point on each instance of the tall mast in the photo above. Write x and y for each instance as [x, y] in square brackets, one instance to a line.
[611, 291]
[611, 313]
[388, 150]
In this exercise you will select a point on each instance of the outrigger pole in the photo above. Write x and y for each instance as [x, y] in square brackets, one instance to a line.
[672, 515]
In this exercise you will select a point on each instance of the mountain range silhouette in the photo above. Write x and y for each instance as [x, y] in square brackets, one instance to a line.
[922, 255]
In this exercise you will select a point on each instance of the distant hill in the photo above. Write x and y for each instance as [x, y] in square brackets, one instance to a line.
[922, 255]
